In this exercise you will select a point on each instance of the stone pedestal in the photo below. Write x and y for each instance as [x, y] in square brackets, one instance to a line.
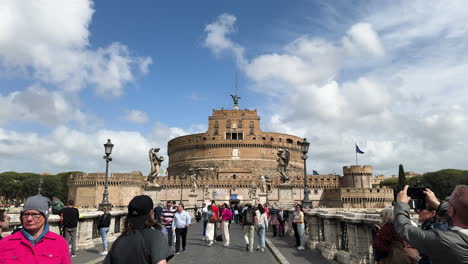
[192, 199]
[285, 195]
[153, 192]
[262, 198]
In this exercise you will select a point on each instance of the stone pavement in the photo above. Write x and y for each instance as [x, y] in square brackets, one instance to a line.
[286, 246]
[198, 252]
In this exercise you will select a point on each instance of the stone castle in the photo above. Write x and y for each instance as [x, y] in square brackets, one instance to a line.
[235, 161]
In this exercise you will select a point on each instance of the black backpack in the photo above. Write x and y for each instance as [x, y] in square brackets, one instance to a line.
[249, 217]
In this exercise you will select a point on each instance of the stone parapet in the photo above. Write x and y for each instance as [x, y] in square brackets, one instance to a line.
[342, 235]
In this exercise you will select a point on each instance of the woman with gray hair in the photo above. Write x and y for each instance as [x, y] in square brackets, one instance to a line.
[388, 245]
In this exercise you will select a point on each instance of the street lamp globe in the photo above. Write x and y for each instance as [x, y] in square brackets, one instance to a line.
[305, 146]
[108, 147]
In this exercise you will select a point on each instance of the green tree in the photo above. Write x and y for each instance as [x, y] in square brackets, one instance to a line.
[390, 183]
[401, 179]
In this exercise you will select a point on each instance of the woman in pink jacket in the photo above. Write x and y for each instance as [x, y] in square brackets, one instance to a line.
[225, 218]
[34, 244]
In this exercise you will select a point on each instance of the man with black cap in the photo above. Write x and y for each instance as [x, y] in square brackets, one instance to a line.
[139, 241]
[35, 243]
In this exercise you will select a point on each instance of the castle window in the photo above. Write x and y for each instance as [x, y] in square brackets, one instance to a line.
[272, 139]
[289, 141]
[280, 139]
[251, 125]
[228, 124]
[240, 124]
[235, 135]
[216, 124]
[315, 191]
[263, 138]
[233, 176]
[216, 132]
[251, 133]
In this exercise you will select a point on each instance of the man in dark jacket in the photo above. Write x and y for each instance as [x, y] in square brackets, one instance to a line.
[450, 246]
[70, 216]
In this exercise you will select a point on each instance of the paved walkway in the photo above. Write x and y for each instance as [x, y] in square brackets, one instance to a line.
[286, 246]
[197, 251]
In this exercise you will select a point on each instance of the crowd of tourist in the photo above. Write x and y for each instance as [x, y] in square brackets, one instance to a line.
[150, 232]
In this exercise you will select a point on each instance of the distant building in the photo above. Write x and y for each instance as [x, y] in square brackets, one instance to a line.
[376, 180]
[356, 191]
[87, 188]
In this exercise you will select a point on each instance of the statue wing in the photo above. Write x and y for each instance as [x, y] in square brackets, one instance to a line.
[288, 155]
[150, 154]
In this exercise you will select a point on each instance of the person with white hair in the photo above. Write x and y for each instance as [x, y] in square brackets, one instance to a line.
[387, 244]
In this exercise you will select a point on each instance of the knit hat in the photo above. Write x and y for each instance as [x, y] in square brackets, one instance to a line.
[138, 210]
[38, 203]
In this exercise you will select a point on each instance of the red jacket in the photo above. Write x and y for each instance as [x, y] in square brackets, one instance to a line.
[51, 249]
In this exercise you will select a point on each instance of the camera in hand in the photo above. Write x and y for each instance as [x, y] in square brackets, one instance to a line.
[418, 199]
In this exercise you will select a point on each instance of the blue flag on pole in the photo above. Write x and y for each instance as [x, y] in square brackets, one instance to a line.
[358, 150]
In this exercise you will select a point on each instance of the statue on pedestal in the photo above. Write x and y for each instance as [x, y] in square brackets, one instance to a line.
[262, 185]
[155, 161]
[253, 190]
[207, 192]
[283, 162]
[193, 183]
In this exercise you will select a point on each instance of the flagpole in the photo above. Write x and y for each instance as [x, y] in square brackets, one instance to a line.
[355, 152]
[356, 155]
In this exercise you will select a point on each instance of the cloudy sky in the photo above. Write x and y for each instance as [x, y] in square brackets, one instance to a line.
[392, 77]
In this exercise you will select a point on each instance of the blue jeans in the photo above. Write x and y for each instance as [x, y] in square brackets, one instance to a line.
[261, 235]
[168, 231]
[204, 228]
[103, 231]
[300, 231]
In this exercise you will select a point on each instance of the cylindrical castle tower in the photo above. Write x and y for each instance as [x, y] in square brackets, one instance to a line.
[233, 149]
[356, 176]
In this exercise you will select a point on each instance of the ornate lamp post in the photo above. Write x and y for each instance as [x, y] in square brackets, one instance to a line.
[182, 178]
[105, 196]
[305, 148]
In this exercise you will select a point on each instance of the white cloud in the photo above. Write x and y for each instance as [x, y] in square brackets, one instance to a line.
[37, 104]
[67, 149]
[361, 39]
[216, 37]
[31, 41]
[136, 116]
[403, 99]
